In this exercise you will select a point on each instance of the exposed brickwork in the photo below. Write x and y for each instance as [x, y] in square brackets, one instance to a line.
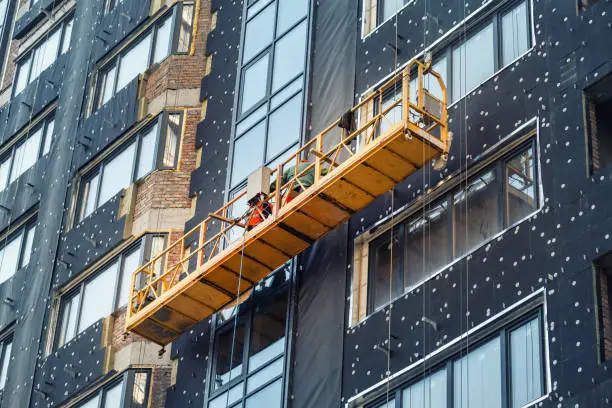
[604, 300]
[160, 382]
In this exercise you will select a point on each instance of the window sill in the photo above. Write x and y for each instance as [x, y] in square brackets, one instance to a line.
[468, 254]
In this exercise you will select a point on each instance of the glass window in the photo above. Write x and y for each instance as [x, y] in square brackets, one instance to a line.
[515, 33]
[134, 62]
[26, 154]
[5, 168]
[112, 396]
[43, 55]
[248, 152]
[172, 140]
[476, 212]
[85, 305]
[70, 312]
[186, 23]
[269, 397]
[389, 8]
[267, 334]
[163, 41]
[92, 403]
[255, 83]
[427, 243]
[386, 256]
[427, 393]
[146, 159]
[15, 250]
[229, 355]
[289, 13]
[394, 114]
[477, 378]
[7, 347]
[259, 32]
[284, 127]
[473, 62]
[289, 57]
[27, 246]
[107, 84]
[526, 363]
[521, 186]
[90, 196]
[117, 174]
[139, 393]
[94, 307]
[48, 136]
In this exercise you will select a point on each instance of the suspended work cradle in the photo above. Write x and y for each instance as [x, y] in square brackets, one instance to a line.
[348, 167]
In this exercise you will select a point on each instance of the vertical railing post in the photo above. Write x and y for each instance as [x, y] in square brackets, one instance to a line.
[279, 183]
[201, 240]
[420, 101]
[132, 294]
[319, 148]
[406, 95]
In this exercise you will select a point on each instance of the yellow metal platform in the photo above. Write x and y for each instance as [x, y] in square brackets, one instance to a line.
[199, 274]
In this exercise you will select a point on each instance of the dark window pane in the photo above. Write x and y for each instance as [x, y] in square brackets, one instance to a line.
[229, 363]
[428, 243]
[477, 378]
[526, 363]
[521, 186]
[384, 284]
[476, 213]
[268, 333]
[285, 127]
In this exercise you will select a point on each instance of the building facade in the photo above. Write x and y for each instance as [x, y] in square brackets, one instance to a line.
[125, 123]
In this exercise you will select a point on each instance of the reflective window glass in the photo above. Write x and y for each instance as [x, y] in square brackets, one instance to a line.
[259, 33]
[385, 257]
[173, 135]
[94, 307]
[229, 354]
[265, 375]
[473, 62]
[48, 136]
[269, 397]
[117, 174]
[7, 348]
[92, 403]
[146, 159]
[255, 83]
[90, 194]
[390, 7]
[427, 393]
[248, 152]
[67, 36]
[267, 334]
[289, 57]
[476, 212]
[5, 167]
[526, 363]
[9, 256]
[112, 396]
[107, 84]
[515, 33]
[289, 13]
[134, 62]
[70, 310]
[23, 70]
[285, 126]
[163, 41]
[131, 263]
[186, 22]
[521, 187]
[477, 378]
[26, 154]
[27, 246]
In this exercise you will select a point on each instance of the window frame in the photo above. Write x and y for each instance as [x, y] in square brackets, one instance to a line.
[126, 379]
[446, 362]
[77, 291]
[246, 313]
[20, 232]
[9, 151]
[152, 28]
[135, 138]
[29, 53]
[496, 164]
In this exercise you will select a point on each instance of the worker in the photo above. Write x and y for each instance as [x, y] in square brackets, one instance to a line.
[259, 210]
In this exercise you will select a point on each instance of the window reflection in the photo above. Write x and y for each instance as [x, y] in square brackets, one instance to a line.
[521, 190]
[229, 354]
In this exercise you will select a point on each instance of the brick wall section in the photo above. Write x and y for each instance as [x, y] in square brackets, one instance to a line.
[160, 382]
[170, 188]
[604, 299]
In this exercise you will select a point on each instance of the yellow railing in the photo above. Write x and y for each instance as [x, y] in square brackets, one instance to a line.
[210, 238]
